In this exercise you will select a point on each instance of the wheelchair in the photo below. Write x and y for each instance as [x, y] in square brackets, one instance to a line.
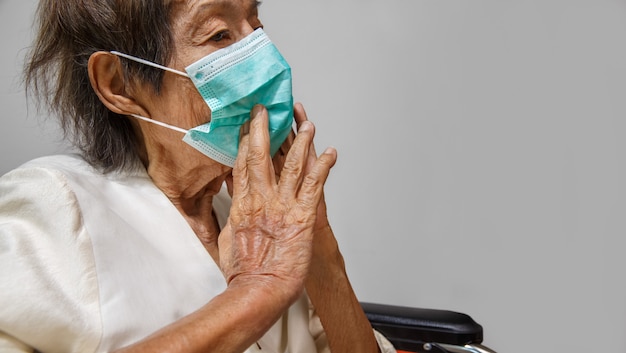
[415, 330]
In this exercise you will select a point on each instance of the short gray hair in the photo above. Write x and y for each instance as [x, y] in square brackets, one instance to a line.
[68, 32]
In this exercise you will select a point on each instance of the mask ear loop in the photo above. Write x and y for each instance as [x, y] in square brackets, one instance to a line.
[149, 63]
[172, 127]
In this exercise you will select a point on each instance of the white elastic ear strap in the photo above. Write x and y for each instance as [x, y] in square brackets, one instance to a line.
[149, 63]
[172, 127]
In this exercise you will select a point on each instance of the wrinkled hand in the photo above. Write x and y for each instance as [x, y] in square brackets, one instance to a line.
[269, 235]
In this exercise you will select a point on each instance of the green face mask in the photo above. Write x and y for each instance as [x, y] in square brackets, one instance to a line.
[232, 80]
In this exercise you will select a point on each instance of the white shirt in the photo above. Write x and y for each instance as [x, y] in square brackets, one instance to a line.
[92, 262]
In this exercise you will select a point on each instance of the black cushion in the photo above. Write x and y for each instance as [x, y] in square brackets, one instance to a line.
[409, 328]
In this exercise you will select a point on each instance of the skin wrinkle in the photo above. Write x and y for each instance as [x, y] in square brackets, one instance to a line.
[249, 251]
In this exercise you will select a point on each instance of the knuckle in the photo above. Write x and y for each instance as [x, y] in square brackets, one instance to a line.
[311, 181]
[256, 156]
[326, 161]
[292, 165]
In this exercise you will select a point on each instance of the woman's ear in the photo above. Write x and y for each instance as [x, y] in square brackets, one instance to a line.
[107, 80]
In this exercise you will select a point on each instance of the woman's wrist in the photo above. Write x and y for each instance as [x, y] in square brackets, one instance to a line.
[326, 253]
[333, 297]
[267, 292]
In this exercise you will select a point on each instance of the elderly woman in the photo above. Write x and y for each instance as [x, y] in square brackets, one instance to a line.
[194, 218]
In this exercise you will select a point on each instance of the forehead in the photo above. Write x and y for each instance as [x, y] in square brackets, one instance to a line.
[192, 6]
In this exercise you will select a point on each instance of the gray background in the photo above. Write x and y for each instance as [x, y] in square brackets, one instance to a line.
[482, 157]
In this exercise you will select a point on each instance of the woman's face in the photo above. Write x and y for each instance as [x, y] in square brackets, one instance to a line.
[199, 27]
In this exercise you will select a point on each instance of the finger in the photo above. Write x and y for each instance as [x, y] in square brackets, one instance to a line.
[312, 188]
[300, 117]
[297, 159]
[299, 114]
[281, 155]
[239, 182]
[289, 141]
[258, 159]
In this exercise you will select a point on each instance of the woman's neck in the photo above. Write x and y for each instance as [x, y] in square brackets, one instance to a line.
[190, 186]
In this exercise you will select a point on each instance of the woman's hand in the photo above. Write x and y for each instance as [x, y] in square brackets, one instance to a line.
[269, 236]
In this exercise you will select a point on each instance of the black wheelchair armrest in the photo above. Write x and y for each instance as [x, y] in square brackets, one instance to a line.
[410, 328]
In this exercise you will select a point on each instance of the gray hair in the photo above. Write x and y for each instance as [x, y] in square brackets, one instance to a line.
[68, 32]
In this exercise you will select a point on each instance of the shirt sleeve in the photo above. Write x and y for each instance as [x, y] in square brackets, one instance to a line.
[9, 344]
[383, 343]
[48, 285]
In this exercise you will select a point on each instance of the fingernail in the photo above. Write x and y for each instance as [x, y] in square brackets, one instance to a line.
[256, 111]
[330, 150]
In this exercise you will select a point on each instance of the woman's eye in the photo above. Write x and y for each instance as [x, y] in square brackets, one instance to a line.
[220, 36]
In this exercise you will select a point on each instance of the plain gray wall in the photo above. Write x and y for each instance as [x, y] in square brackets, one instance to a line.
[482, 154]
[24, 134]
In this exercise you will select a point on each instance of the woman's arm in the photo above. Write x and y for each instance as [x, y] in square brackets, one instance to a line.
[231, 322]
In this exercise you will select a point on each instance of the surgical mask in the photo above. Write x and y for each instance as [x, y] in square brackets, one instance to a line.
[231, 81]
